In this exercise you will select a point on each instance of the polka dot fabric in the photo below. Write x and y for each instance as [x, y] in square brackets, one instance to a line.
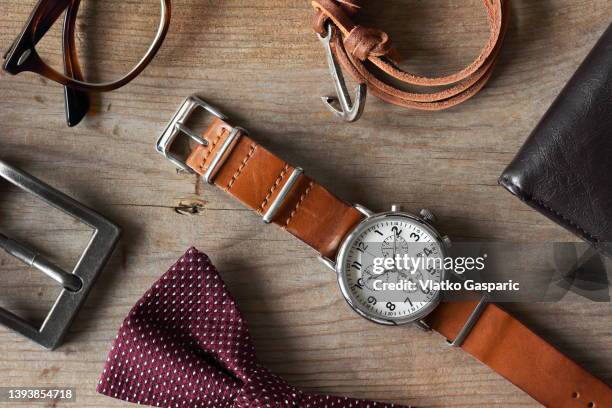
[185, 344]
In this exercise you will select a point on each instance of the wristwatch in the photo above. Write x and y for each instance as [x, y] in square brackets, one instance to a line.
[341, 233]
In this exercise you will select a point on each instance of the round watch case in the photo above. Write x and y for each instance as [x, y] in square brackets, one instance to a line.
[425, 222]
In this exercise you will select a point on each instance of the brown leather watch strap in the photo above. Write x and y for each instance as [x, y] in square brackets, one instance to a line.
[525, 359]
[256, 177]
[357, 45]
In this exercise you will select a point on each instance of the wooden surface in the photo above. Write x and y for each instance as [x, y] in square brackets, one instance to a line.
[260, 62]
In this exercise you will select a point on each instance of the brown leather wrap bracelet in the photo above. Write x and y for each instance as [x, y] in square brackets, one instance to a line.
[357, 45]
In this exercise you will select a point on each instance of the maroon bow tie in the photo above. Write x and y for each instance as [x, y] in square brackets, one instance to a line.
[185, 344]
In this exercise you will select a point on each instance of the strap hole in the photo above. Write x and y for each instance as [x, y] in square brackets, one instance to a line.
[575, 395]
[591, 404]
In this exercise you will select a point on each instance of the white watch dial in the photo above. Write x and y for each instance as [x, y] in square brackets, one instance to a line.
[414, 253]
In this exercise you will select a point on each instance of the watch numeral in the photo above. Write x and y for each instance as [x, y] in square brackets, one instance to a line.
[409, 301]
[372, 300]
[359, 284]
[361, 247]
[397, 231]
[390, 306]
[379, 233]
[427, 251]
[356, 265]
[415, 236]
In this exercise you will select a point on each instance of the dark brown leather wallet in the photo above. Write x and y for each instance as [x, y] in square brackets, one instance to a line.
[564, 169]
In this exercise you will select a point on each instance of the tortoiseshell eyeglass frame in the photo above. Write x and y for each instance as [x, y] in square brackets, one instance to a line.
[22, 55]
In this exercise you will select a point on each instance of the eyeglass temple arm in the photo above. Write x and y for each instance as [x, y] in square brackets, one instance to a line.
[44, 15]
[77, 103]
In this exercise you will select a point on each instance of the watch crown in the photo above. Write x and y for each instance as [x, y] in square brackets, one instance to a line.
[447, 241]
[428, 215]
[396, 208]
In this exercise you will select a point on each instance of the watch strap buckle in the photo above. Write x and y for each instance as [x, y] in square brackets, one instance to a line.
[177, 126]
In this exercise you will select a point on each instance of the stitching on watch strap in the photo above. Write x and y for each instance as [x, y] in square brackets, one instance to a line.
[242, 166]
[274, 187]
[299, 203]
[212, 147]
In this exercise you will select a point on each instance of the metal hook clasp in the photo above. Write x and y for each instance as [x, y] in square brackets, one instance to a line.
[348, 110]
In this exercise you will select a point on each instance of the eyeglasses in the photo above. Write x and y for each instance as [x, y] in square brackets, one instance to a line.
[22, 55]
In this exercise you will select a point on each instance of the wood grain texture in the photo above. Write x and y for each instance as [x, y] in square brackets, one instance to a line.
[260, 62]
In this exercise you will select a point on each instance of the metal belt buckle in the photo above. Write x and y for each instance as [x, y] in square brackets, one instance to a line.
[76, 285]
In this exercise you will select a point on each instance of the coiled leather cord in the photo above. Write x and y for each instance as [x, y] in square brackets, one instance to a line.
[357, 45]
